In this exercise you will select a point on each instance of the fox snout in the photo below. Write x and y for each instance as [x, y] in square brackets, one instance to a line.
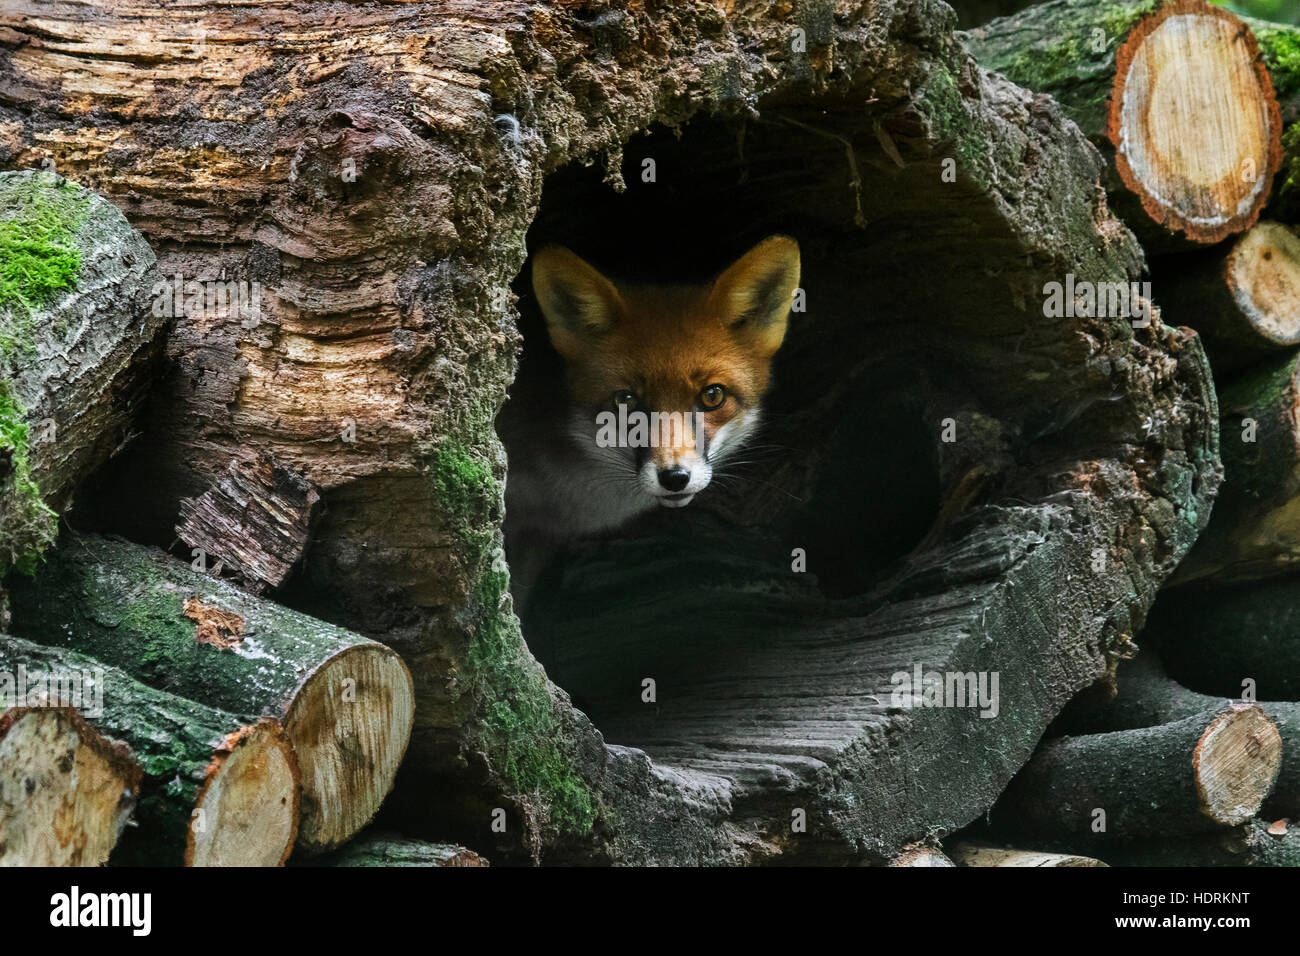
[677, 469]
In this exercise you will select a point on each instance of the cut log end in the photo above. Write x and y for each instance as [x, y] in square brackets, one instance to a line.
[1263, 272]
[971, 854]
[350, 723]
[246, 813]
[1236, 763]
[66, 792]
[1186, 67]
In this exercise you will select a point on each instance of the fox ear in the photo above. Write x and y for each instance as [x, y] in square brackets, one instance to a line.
[577, 301]
[753, 296]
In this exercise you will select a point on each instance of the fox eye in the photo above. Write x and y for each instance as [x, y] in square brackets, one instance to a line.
[624, 397]
[712, 397]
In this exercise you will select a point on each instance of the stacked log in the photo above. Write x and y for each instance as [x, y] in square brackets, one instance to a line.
[1143, 80]
[214, 789]
[1207, 771]
[345, 701]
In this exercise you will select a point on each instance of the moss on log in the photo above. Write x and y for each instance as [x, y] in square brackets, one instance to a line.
[75, 337]
[215, 790]
[345, 700]
[66, 792]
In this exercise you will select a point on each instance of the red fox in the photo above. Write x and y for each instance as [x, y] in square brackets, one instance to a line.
[659, 385]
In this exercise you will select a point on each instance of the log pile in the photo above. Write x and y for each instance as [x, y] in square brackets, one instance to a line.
[976, 492]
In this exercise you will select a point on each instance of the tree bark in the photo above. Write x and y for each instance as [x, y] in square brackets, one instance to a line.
[76, 339]
[255, 522]
[215, 792]
[345, 700]
[1141, 86]
[1210, 770]
[66, 792]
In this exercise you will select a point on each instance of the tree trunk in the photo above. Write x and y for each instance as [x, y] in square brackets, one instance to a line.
[345, 700]
[383, 206]
[1142, 80]
[66, 792]
[75, 344]
[214, 792]
[1210, 770]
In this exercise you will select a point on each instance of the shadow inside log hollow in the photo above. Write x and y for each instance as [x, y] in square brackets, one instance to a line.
[842, 483]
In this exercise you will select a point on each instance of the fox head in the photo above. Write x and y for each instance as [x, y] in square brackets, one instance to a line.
[695, 359]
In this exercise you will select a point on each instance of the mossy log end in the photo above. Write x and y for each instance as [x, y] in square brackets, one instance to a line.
[1146, 696]
[391, 849]
[1211, 770]
[912, 178]
[66, 792]
[76, 339]
[344, 699]
[1142, 79]
[215, 790]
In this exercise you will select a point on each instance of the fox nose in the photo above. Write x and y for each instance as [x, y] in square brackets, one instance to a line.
[674, 477]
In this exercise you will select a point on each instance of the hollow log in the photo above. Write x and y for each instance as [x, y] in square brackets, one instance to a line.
[390, 849]
[1254, 531]
[1147, 696]
[215, 791]
[345, 700]
[1143, 79]
[384, 204]
[1255, 843]
[1211, 770]
[76, 336]
[1246, 304]
[66, 791]
[973, 854]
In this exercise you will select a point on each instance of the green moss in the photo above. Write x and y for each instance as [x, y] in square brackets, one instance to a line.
[1281, 49]
[469, 495]
[27, 525]
[521, 730]
[39, 250]
[942, 103]
[1288, 193]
